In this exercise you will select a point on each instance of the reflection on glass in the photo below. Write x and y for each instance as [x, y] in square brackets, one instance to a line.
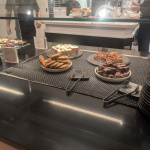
[106, 11]
[85, 111]
[11, 91]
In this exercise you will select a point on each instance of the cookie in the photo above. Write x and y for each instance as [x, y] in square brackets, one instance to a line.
[42, 60]
[69, 62]
[55, 56]
[48, 65]
[59, 65]
[53, 65]
[63, 61]
[64, 66]
[48, 60]
[63, 57]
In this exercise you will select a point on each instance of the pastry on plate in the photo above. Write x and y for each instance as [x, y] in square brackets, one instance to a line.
[113, 70]
[56, 61]
[66, 49]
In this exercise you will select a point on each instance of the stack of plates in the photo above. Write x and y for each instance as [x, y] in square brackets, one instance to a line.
[144, 102]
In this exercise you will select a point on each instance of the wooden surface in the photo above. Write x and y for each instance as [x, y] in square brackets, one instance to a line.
[8, 145]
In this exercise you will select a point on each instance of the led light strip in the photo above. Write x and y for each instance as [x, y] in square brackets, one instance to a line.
[84, 111]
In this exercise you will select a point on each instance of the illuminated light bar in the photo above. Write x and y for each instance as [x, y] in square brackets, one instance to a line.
[11, 91]
[84, 111]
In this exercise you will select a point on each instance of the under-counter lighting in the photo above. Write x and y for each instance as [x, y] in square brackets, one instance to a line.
[11, 91]
[85, 111]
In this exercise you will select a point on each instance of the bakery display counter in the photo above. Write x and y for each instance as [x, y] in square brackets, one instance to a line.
[37, 112]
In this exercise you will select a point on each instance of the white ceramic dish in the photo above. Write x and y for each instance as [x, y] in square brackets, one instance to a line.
[112, 79]
[56, 70]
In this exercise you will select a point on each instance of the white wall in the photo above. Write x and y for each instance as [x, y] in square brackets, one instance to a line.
[83, 3]
[43, 4]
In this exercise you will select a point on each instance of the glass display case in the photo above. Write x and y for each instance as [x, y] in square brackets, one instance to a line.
[74, 74]
[101, 19]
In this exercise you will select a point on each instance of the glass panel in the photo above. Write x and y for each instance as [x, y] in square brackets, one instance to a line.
[77, 10]
[107, 24]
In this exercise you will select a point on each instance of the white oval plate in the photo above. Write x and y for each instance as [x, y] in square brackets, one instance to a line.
[56, 70]
[112, 79]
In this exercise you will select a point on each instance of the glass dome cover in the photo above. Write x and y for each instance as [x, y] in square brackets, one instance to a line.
[106, 11]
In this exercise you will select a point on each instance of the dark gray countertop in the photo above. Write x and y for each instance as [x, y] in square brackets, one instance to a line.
[41, 117]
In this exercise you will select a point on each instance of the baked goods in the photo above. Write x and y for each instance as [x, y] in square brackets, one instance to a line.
[55, 56]
[8, 45]
[65, 61]
[63, 58]
[42, 60]
[64, 66]
[16, 41]
[66, 49]
[113, 70]
[4, 40]
[56, 61]
[106, 56]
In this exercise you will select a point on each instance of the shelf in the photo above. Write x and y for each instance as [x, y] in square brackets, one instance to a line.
[82, 19]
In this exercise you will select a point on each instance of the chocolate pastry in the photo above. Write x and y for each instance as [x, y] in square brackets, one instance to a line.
[106, 70]
[111, 76]
[109, 64]
[117, 70]
[126, 69]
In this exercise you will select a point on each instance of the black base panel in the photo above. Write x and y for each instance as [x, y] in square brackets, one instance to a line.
[89, 40]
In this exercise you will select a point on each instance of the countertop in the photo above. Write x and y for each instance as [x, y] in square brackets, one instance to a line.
[41, 117]
[119, 30]
[89, 23]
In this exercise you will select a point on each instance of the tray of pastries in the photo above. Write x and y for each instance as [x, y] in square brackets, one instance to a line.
[56, 63]
[15, 42]
[4, 40]
[103, 57]
[113, 72]
[18, 42]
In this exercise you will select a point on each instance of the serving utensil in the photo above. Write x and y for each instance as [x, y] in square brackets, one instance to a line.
[108, 101]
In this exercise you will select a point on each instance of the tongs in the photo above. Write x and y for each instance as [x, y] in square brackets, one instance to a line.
[69, 88]
[108, 101]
